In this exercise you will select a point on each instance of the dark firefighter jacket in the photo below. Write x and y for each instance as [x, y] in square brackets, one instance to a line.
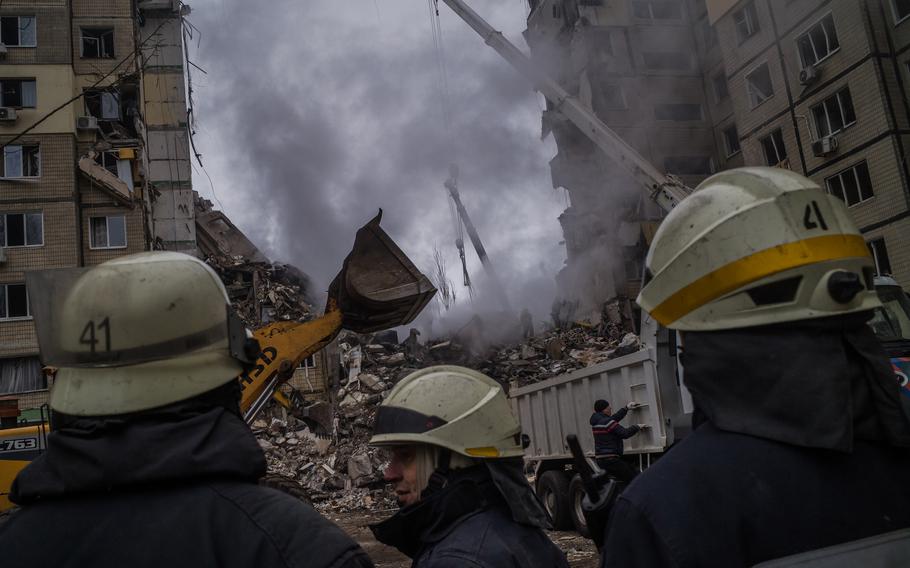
[165, 490]
[799, 444]
[609, 433]
[468, 524]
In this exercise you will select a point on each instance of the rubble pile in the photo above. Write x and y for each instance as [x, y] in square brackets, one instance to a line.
[260, 291]
[340, 472]
[559, 351]
[337, 473]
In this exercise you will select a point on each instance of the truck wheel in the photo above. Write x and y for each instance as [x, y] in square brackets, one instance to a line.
[553, 490]
[576, 494]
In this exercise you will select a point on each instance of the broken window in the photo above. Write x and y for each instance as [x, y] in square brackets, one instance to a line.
[759, 85]
[666, 60]
[107, 232]
[719, 82]
[880, 256]
[746, 21]
[689, 165]
[679, 112]
[18, 31]
[852, 185]
[834, 113]
[901, 9]
[20, 93]
[103, 105]
[657, 9]
[13, 301]
[773, 146]
[819, 42]
[98, 43]
[21, 161]
[731, 140]
[21, 229]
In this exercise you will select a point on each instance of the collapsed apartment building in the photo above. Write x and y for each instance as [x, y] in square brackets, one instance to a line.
[818, 87]
[95, 134]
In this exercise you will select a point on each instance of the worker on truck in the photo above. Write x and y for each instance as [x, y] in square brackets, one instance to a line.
[455, 462]
[149, 462]
[608, 440]
[799, 442]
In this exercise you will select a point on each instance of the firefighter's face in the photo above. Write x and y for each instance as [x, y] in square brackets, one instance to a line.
[402, 474]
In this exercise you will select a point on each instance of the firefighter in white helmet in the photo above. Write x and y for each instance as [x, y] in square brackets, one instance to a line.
[150, 462]
[799, 440]
[455, 463]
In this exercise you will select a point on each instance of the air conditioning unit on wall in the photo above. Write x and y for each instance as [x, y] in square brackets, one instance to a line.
[825, 146]
[808, 75]
[86, 123]
[8, 114]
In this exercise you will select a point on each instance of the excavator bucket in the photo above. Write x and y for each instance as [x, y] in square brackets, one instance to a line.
[378, 287]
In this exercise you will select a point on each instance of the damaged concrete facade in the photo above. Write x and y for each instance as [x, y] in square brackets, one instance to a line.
[815, 86]
[634, 66]
[79, 187]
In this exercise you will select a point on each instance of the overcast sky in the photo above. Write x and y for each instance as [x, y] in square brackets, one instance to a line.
[314, 114]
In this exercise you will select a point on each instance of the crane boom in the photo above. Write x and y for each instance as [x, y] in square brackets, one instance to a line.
[666, 190]
[452, 185]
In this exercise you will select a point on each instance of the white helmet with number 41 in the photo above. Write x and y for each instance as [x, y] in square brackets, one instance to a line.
[135, 333]
[756, 246]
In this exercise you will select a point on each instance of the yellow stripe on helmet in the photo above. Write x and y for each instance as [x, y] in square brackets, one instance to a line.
[755, 267]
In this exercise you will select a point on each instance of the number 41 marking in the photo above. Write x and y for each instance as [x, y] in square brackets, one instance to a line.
[812, 217]
[88, 334]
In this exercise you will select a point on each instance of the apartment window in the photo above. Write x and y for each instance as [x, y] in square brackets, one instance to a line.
[719, 82]
[746, 21]
[731, 140]
[901, 9]
[852, 185]
[759, 85]
[834, 114]
[656, 10]
[21, 229]
[880, 256]
[108, 232]
[709, 33]
[678, 111]
[13, 301]
[18, 31]
[819, 42]
[103, 105]
[557, 10]
[20, 93]
[98, 43]
[689, 165]
[590, 2]
[21, 161]
[774, 148]
[666, 60]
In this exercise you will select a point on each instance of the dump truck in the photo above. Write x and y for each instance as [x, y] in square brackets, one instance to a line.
[652, 377]
[377, 288]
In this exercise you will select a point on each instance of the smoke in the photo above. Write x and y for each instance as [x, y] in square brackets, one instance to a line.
[313, 115]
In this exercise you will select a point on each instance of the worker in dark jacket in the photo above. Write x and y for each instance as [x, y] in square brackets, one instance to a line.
[149, 462]
[799, 440]
[455, 463]
[608, 436]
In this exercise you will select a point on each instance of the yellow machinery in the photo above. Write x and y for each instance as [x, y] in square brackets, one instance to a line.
[378, 288]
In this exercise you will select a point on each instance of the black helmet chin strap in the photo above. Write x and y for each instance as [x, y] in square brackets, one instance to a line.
[440, 477]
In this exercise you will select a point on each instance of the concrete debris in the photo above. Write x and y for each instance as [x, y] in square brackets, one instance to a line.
[340, 472]
[260, 291]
